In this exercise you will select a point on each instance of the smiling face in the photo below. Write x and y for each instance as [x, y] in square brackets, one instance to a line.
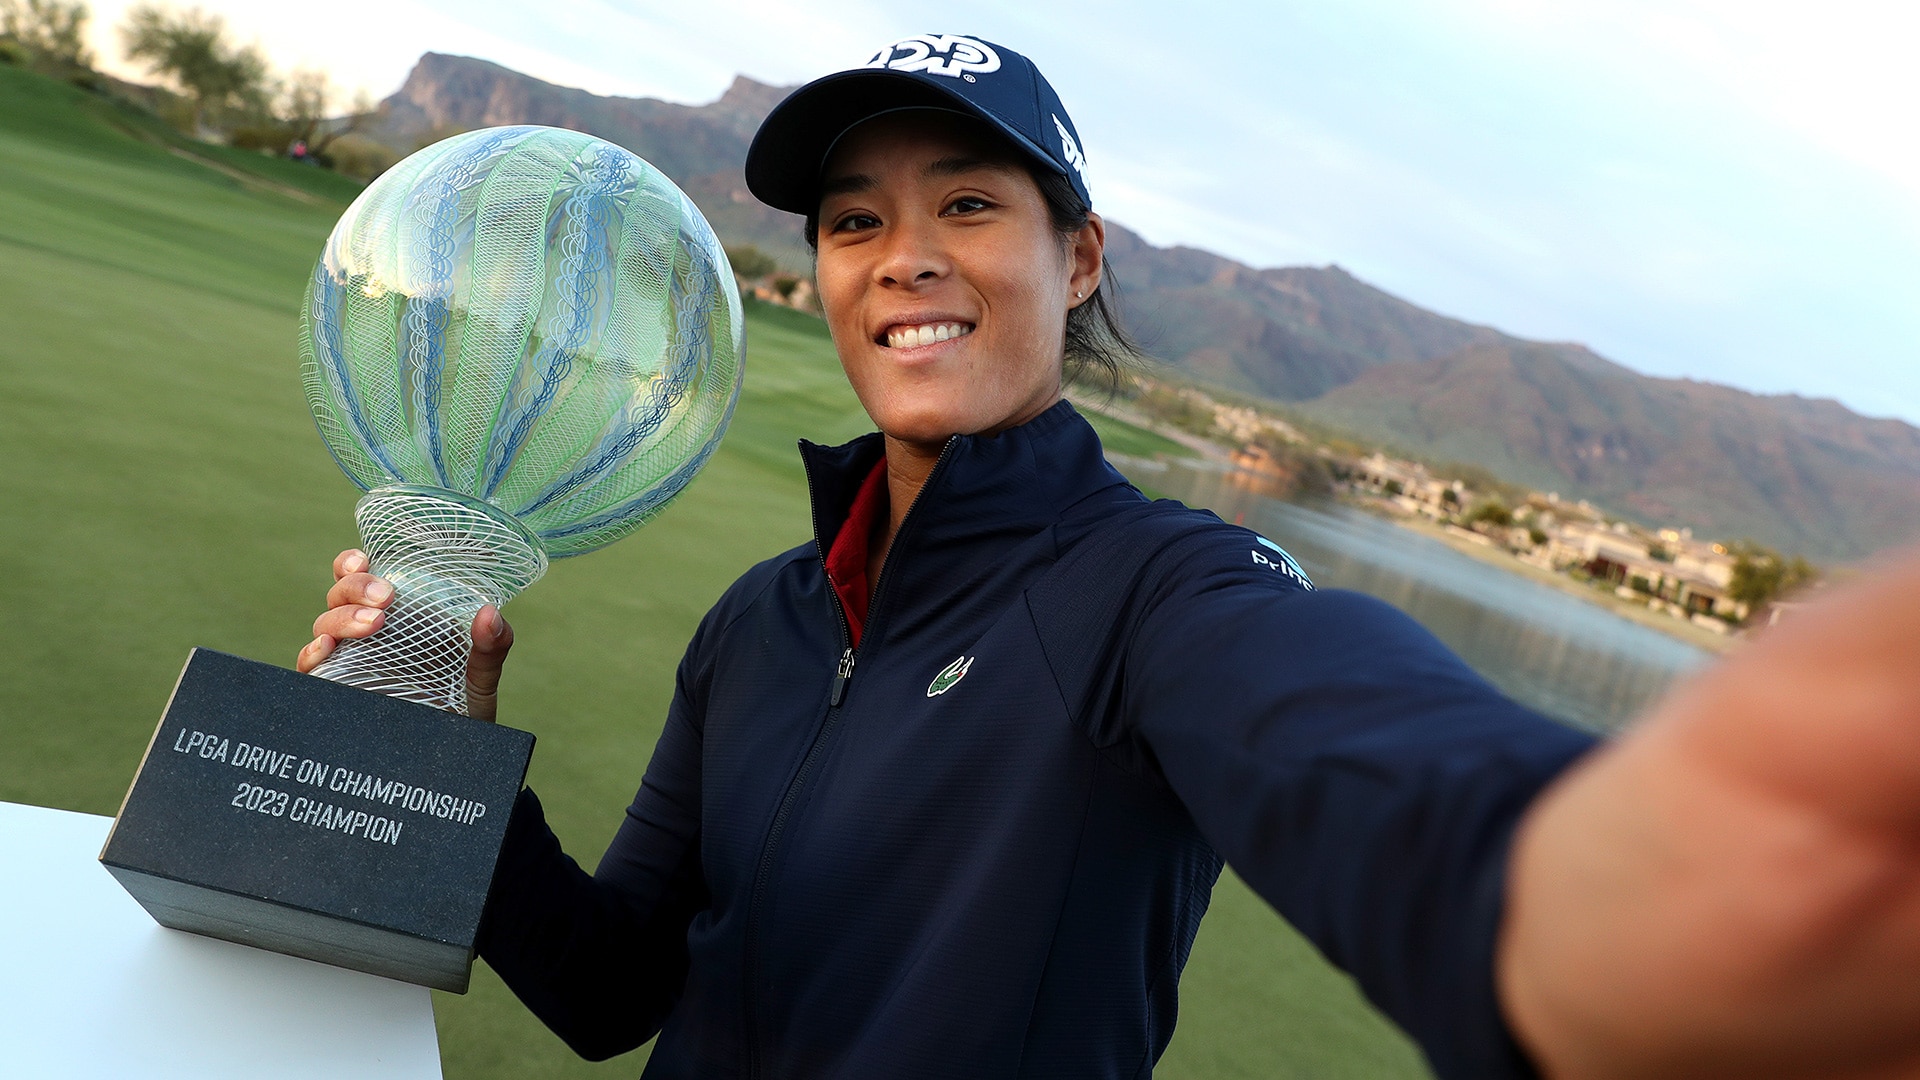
[945, 284]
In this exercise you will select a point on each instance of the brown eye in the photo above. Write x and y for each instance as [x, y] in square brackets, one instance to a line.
[967, 204]
[855, 223]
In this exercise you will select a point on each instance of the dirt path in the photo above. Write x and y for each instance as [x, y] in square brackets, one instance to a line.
[247, 179]
[1206, 448]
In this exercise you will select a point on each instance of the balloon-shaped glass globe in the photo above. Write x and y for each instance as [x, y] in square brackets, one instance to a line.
[521, 342]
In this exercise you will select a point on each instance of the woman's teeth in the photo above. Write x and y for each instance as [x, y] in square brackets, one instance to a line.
[906, 337]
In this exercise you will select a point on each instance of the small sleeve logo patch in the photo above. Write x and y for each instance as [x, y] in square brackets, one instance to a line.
[949, 676]
[1283, 564]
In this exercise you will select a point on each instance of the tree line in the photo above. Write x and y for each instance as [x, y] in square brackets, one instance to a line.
[214, 87]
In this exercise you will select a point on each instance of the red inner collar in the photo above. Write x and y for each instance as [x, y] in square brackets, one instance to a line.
[847, 558]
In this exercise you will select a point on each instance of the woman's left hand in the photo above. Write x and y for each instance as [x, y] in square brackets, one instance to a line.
[355, 609]
[1733, 888]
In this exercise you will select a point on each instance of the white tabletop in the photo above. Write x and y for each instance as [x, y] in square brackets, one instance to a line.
[91, 986]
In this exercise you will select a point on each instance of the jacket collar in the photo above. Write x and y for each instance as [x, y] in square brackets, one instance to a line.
[1003, 487]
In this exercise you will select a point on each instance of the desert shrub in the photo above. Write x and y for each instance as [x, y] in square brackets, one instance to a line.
[360, 157]
[1493, 512]
[749, 262]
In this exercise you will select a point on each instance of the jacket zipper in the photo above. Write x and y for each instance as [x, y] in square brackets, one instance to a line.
[840, 676]
[762, 884]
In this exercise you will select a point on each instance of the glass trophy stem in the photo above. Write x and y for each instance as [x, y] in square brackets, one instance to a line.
[446, 555]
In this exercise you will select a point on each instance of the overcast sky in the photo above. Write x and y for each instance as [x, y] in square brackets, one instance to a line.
[1718, 189]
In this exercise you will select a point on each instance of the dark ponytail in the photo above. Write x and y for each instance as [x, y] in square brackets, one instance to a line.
[1097, 341]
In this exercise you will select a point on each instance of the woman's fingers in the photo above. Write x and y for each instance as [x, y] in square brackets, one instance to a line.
[314, 652]
[350, 561]
[355, 609]
[492, 638]
[349, 621]
[354, 606]
[362, 589]
[1731, 889]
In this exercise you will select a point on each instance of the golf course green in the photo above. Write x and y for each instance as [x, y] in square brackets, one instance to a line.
[162, 487]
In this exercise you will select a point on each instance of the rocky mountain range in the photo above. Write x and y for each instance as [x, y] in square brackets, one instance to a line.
[703, 148]
[1802, 475]
[1798, 474]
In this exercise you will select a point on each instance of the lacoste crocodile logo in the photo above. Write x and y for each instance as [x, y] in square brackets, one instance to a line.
[949, 676]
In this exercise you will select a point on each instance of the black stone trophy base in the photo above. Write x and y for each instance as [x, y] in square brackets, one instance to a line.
[298, 815]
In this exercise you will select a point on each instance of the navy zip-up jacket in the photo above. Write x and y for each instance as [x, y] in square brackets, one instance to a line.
[861, 865]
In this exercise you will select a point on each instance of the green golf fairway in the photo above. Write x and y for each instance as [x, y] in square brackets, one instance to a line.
[164, 488]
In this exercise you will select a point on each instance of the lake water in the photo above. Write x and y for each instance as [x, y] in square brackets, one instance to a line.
[1557, 653]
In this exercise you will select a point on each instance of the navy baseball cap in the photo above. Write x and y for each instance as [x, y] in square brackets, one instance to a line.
[962, 74]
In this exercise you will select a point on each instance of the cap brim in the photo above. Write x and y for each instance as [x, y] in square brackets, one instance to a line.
[789, 151]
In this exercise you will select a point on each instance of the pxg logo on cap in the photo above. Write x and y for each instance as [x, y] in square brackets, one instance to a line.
[953, 55]
[963, 58]
[957, 72]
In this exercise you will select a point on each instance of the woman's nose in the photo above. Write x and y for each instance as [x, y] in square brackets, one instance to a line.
[913, 256]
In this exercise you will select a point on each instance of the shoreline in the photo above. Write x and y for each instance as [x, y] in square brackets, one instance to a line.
[1705, 640]
[1685, 632]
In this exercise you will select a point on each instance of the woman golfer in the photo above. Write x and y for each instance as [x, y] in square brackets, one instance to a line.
[944, 793]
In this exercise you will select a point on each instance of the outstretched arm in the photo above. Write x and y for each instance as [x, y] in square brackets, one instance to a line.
[1733, 889]
[1354, 772]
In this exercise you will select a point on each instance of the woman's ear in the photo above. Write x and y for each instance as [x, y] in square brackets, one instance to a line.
[1085, 254]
